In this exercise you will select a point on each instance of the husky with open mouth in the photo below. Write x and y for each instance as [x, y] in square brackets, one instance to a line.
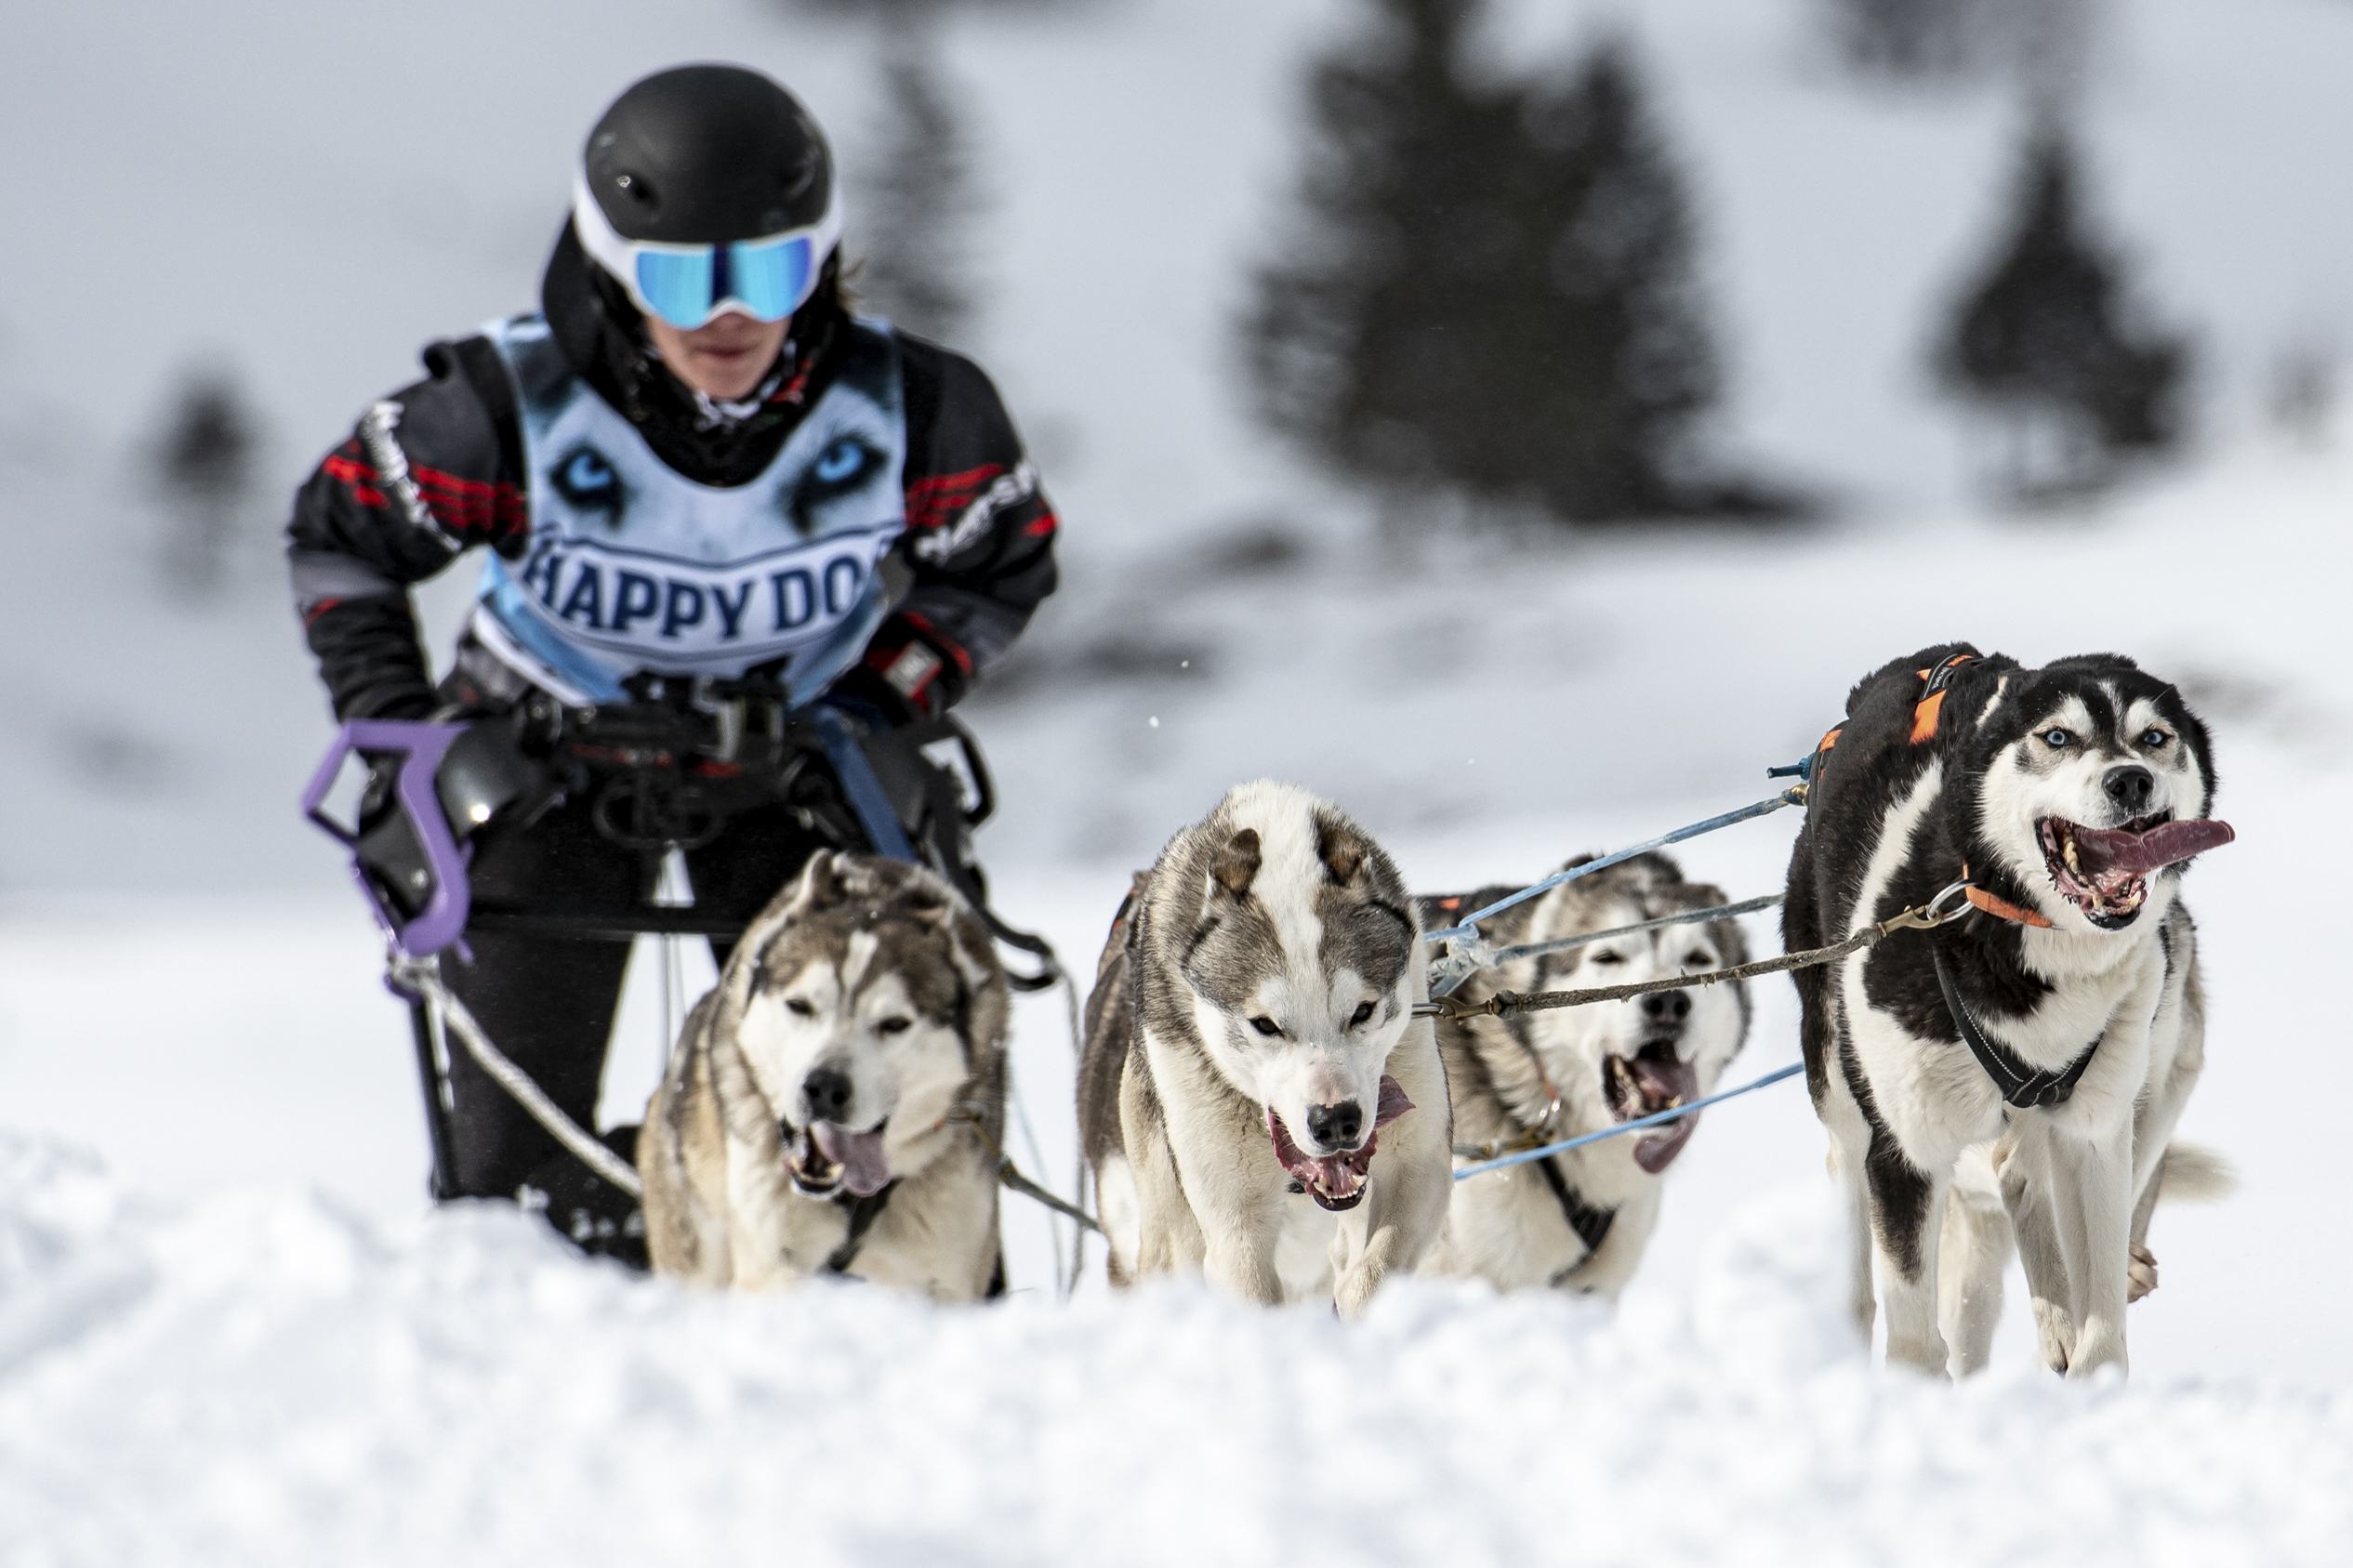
[832, 1104]
[1580, 1220]
[2052, 1029]
[1257, 1101]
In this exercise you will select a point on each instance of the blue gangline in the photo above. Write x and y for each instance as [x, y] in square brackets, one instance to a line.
[1762, 807]
[1527, 1154]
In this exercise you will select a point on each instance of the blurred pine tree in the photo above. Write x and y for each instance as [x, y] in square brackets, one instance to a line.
[2043, 44]
[914, 206]
[2047, 340]
[1493, 292]
[917, 207]
[204, 468]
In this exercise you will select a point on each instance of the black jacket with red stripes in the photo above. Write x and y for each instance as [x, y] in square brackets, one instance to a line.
[972, 503]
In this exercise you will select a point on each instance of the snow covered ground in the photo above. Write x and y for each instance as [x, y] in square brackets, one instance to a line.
[228, 1333]
[272, 1379]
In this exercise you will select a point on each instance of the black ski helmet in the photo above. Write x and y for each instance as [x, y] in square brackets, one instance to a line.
[708, 185]
[702, 154]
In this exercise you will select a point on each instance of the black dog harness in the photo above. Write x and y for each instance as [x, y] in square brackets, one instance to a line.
[1591, 1224]
[2028, 1088]
[864, 1212]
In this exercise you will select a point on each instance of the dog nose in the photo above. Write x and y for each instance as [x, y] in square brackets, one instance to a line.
[1667, 1006]
[2131, 787]
[1335, 1126]
[828, 1091]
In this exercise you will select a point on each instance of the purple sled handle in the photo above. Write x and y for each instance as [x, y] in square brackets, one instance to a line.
[421, 746]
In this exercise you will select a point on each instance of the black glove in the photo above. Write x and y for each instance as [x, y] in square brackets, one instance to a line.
[905, 676]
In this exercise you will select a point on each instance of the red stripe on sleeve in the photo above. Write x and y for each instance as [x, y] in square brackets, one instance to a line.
[932, 635]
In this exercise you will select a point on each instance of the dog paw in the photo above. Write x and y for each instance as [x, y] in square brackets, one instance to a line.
[2099, 1346]
[2055, 1329]
[2141, 1274]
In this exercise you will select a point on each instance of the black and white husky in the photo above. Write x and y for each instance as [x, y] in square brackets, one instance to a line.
[832, 1104]
[1579, 1220]
[1256, 1100]
[2056, 1021]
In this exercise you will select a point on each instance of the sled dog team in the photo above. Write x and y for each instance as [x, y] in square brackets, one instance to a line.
[1259, 1102]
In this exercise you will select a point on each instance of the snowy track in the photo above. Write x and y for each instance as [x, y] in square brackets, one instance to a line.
[261, 1381]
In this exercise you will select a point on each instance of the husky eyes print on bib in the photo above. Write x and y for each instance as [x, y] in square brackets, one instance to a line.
[633, 566]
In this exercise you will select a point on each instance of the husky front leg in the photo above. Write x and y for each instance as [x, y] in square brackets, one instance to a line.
[1168, 1234]
[1412, 1177]
[2023, 1161]
[771, 1237]
[1849, 1156]
[1971, 1255]
[2141, 1274]
[1237, 1215]
[1907, 1213]
[1238, 1255]
[2092, 1195]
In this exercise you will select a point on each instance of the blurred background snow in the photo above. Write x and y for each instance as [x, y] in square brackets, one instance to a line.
[234, 225]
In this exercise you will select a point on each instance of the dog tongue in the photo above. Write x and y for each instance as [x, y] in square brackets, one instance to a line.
[2102, 849]
[1657, 1152]
[1660, 1083]
[1339, 1174]
[866, 1169]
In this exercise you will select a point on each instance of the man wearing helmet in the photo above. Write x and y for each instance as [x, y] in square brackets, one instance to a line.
[696, 471]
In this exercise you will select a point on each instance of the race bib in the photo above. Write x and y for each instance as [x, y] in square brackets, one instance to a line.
[631, 566]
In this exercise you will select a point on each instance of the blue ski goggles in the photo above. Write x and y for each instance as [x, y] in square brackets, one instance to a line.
[766, 279]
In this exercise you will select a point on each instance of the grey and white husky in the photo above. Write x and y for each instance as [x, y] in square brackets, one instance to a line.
[2051, 1034]
[832, 1104]
[1257, 1101]
[1580, 1220]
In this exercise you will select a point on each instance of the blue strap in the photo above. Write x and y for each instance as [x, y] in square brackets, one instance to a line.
[1468, 925]
[1637, 1124]
[850, 764]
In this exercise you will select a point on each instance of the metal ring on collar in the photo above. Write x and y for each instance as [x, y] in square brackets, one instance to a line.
[1935, 910]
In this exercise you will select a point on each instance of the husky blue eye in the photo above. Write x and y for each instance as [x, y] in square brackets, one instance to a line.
[586, 479]
[2155, 738]
[588, 471]
[847, 462]
[838, 462]
[2055, 738]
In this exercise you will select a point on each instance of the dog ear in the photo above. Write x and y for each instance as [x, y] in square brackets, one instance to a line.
[1342, 848]
[923, 897]
[819, 884]
[971, 948]
[1236, 867]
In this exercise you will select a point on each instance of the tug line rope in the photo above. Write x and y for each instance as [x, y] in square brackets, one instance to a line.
[1467, 951]
[1947, 905]
[1510, 1004]
[421, 977]
[1585, 939]
[1008, 1173]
